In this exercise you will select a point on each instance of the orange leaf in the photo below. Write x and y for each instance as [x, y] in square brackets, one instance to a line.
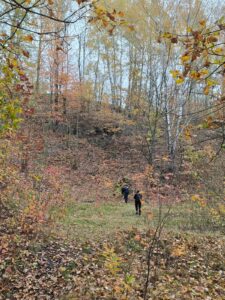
[28, 38]
[25, 53]
[121, 14]
[206, 90]
[137, 237]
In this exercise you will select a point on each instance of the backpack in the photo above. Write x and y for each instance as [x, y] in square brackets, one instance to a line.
[125, 190]
[137, 197]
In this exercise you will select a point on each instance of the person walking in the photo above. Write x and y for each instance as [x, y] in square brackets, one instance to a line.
[125, 192]
[137, 198]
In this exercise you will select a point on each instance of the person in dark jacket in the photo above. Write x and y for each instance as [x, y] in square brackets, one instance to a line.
[125, 192]
[137, 198]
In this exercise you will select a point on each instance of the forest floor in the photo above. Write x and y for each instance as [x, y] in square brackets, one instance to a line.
[113, 266]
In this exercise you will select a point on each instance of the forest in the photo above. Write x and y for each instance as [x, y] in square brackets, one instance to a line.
[112, 149]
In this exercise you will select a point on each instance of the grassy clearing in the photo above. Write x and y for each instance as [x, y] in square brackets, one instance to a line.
[89, 220]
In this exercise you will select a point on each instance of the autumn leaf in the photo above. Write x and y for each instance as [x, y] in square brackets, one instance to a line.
[14, 62]
[105, 23]
[58, 48]
[185, 58]
[202, 23]
[131, 27]
[167, 35]
[180, 80]
[195, 197]
[165, 158]
[174, 40]
[137, 237]
[21, 73]
[218, 50]
[206, 90]
[211, 82]
[204, 72]
[25, 53]
[28, 38]
[194, 74]
[81, 1]
[174, 73]
[110, 31]
[179, 250]
[212, 39]
[187, 133]
[121, 14]
[110, 16]
[100, 10]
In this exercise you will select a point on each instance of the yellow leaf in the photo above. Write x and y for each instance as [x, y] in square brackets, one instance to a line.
[218, 50]
[20, 72]
[100, 10]
[185, 58]
[202, 22]
[187, 134]
[204, 72]
[195, 197]
[174, 73]
[14, 62]
[167, 35]
[179, 251]
[180, 80]
[217, 61]
[131, 27]
[211, 82]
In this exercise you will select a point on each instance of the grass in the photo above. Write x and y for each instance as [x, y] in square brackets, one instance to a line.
[89, 220]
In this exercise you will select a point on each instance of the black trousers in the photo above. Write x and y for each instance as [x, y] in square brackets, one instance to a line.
[138, 207]
[125, 196]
